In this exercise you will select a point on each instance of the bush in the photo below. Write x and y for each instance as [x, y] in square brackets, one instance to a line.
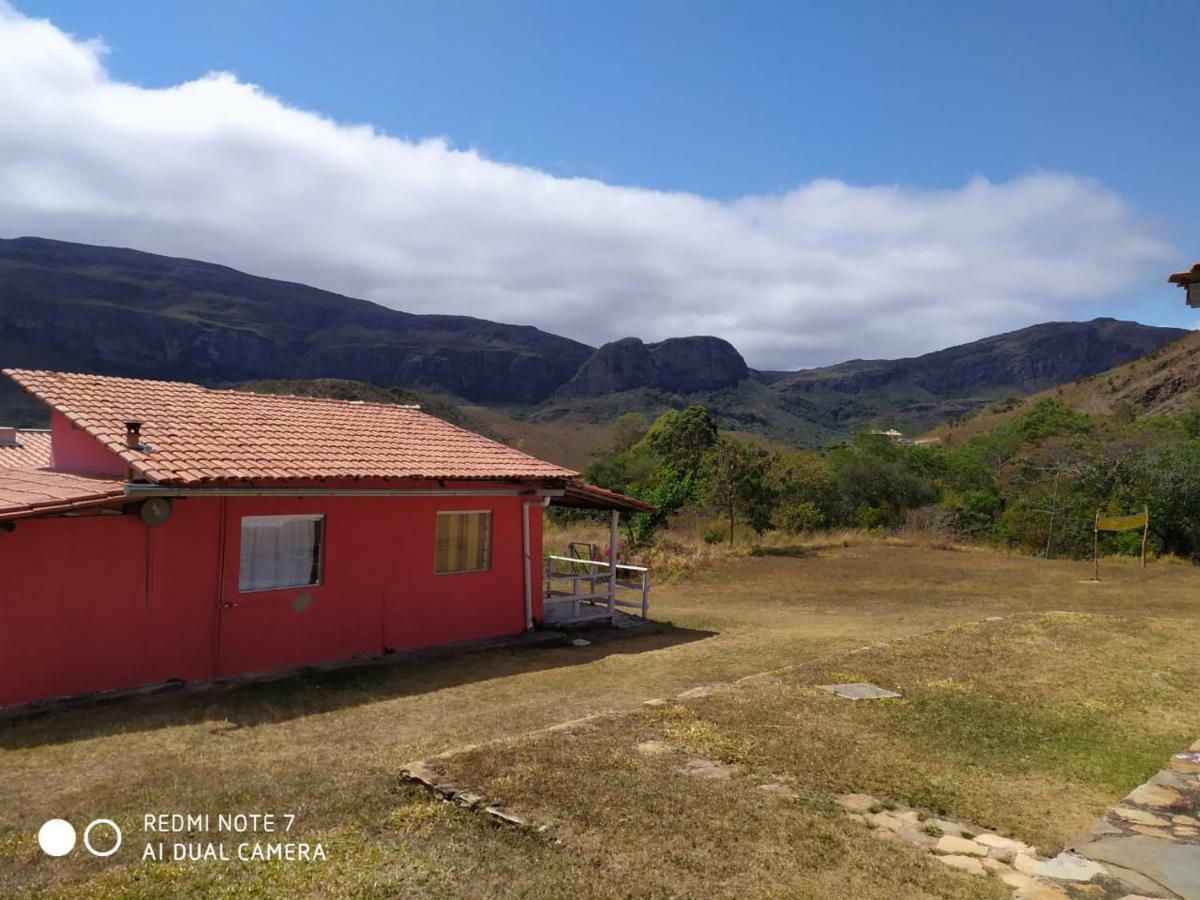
[800, 517]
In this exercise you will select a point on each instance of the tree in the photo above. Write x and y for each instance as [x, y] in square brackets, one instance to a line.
[670, 495]
[808, 492]
[879, 481]
[626, 430]
[740, 484]
[682, 439]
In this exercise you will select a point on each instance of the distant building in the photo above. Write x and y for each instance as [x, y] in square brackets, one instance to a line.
[1190, 281]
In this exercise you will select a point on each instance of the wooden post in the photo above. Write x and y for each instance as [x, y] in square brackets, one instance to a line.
[614, 518]
[1053, 513]
[646, 595]
[1096, 545]
[1145, 534]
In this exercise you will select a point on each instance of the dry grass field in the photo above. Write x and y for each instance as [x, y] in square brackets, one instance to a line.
[1031, 725]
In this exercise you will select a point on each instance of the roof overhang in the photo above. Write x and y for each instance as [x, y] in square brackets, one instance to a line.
[25, 493]
[141, 490]
[1183, 279]
[579, 495]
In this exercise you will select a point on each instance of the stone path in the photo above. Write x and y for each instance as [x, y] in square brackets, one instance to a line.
[1154, 831]
[959, 845]
[1148, 845]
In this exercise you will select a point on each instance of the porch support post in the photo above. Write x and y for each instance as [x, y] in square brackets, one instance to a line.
[613, 532]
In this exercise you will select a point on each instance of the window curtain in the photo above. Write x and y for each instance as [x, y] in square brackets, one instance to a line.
[279, 552]
[464, 542]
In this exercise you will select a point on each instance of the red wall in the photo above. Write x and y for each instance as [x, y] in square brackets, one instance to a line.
[74, 450]
[94, 603]
[80, 611]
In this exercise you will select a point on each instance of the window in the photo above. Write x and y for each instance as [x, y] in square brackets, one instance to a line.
[280, 552]
[464, 542]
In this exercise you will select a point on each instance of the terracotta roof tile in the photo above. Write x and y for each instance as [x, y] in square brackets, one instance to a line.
[27, 492]
[192, 434]
[32, 451]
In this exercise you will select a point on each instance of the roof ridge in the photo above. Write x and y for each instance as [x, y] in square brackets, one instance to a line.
[14, 373]
[381, 404]
[240, 391]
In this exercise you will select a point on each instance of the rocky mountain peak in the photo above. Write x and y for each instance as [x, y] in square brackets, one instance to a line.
[684, 365]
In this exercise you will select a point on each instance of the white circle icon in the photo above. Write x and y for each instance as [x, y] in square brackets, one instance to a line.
[56, 837]
[87, 835]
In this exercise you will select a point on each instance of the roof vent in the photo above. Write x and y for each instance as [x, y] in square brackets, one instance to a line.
[8, 437]
[133, 435]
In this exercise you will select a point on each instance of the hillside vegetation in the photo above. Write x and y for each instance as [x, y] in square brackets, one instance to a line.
[1164, 381]
[1034, 482]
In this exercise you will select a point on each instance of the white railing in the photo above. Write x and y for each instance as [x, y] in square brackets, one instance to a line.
[595, 583]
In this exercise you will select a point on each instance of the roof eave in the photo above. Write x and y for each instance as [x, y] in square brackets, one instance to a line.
[581, 495]
[61, 507]
[1183, 279]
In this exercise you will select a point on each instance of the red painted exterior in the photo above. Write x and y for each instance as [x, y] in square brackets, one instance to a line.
[102, 602]
[74, 450]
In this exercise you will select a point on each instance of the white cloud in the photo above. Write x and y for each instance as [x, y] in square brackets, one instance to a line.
[218, 170]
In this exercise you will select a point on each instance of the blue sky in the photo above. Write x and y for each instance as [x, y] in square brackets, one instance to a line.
[723, 99]
[729, 100]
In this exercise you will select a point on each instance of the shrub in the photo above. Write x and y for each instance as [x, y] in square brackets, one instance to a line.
[802, 516]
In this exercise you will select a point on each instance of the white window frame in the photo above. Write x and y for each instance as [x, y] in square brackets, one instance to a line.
[488, 553]
[322, 535]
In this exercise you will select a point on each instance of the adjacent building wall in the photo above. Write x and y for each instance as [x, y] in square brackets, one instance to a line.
[81, 610]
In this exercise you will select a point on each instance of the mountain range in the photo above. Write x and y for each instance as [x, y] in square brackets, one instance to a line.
[118, 311]
[1164, 381]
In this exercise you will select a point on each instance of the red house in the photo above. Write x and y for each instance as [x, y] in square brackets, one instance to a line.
[166, 531]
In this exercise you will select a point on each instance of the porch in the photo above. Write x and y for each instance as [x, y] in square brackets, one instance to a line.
[584, 588]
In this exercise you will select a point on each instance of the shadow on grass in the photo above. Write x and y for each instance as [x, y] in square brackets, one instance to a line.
[796, 551]
[236, 703]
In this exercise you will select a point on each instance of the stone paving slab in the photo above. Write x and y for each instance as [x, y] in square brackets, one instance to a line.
[859, 691]
[1155, 830]
[1171, 865]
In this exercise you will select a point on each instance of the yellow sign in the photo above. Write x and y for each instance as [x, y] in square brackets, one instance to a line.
[1121, 523]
